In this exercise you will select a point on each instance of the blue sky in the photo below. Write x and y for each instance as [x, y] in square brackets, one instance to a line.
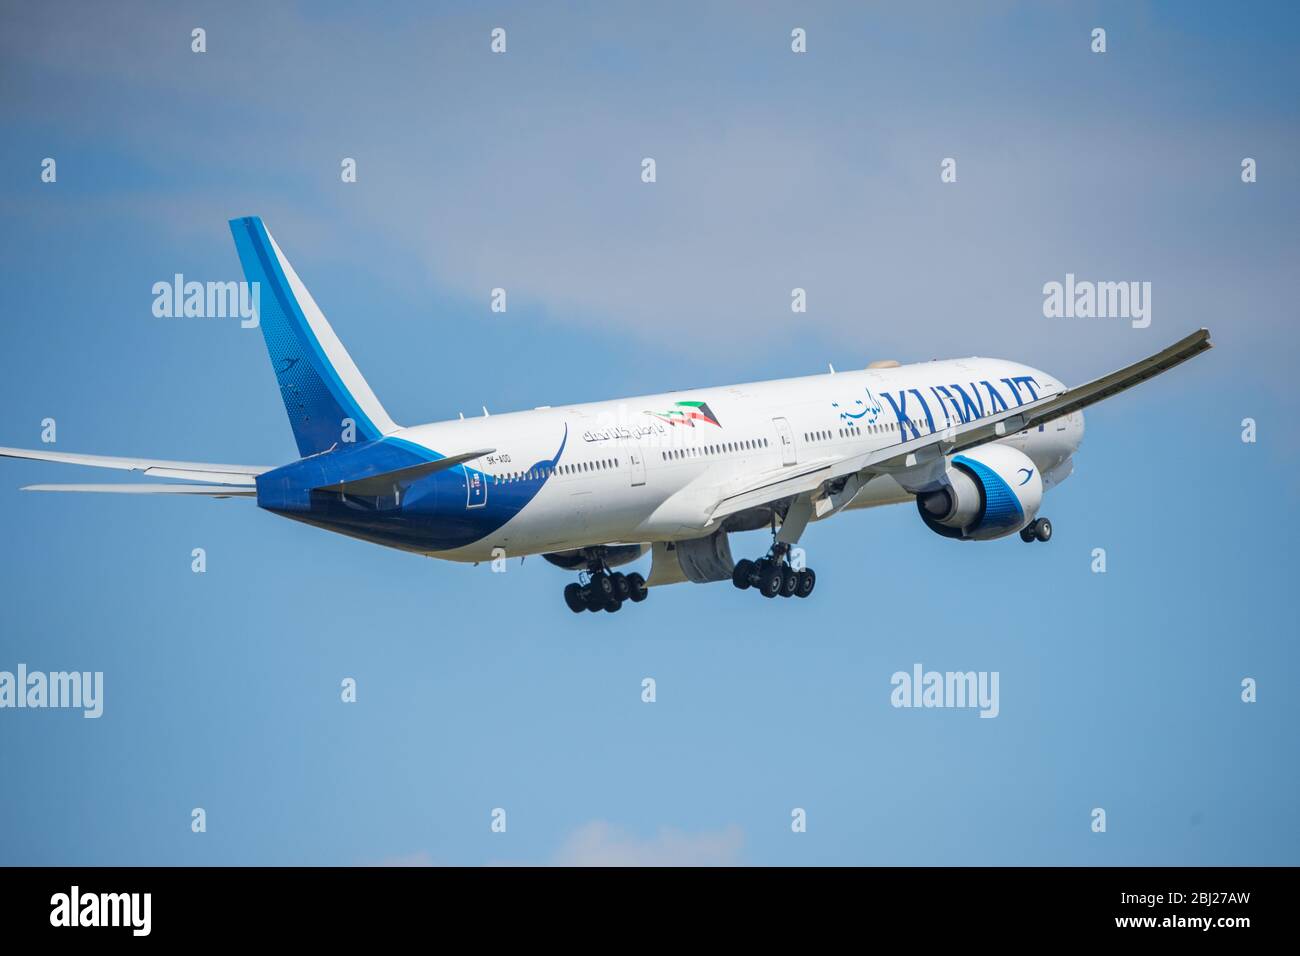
[478, 691]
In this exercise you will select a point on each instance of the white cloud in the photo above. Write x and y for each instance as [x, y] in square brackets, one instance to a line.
[419, 858]
[523, 172]
[599, 843]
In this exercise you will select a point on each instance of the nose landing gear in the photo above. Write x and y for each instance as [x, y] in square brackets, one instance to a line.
[1039, 530]
[772, 575]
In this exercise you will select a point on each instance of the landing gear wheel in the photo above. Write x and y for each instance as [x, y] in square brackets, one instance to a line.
[602, 586]
[1042, 530]
[636, 589]
[1027, 533]
[807, 581]
[742, 573]
[789, 581]
[573, 597]
[769, 581]
[619, 580]
[613, 604]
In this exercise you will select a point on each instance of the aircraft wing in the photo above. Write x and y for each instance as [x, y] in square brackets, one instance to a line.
[1075, 399]
[800, 479]
[244, 475]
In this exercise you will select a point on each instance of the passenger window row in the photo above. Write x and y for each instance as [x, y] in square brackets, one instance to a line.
[880, 428]
[710, 451]
[853, 431]
[680, 454]
[850, 431]
[546, 471]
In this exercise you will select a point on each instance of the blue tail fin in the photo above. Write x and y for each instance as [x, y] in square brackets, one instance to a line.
[328, 401]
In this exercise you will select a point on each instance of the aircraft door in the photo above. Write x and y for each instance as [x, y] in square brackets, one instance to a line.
[786, 437]
[636, 463]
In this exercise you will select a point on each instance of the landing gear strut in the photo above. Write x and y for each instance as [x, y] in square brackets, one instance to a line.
[1039, 530]
[772, 575]
[604, 590]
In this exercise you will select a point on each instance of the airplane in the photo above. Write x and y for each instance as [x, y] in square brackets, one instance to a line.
[974, 442]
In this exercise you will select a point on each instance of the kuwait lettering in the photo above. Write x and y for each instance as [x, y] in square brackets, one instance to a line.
[957, 405]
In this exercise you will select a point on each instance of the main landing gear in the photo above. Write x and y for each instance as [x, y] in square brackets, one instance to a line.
[772, 575]
[604, 591]
[1040, 530]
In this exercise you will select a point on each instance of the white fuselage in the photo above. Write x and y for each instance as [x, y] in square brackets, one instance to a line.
[647, 468]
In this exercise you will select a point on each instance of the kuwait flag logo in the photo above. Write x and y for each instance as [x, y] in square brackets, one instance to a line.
[688, 413]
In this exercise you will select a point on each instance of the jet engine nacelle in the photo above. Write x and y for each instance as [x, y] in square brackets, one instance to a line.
[988, 492]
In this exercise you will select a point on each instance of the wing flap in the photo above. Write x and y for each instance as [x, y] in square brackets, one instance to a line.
[775, 485]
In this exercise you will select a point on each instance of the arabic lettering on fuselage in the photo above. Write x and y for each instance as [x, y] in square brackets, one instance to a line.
[869, 410]
[617, 432]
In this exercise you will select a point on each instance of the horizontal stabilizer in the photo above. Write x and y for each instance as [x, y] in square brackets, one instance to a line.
[245, 475]
[212, 491]
[383, 483]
